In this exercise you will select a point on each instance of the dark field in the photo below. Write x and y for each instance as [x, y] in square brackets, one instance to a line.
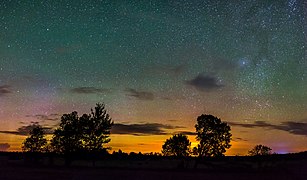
[279, 168]
[97, 173]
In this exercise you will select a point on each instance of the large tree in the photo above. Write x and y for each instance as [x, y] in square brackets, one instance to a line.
[213, 135]
[260, 150]
[178, 145]
[36, 141]
[68, 137]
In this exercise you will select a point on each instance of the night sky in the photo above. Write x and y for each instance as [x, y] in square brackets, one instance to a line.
[157, 66]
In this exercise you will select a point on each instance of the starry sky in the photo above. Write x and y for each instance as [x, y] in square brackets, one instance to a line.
[157, 66]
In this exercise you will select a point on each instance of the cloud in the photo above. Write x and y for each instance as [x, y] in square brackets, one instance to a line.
[167, 98]
[142, 129]
[297, 128]
[141, 95]
[25, 130]
[172, 120]
[237, 139]
[5, 89]
[89, 90]
[255, 124]
[185, 133]
[4, 146]
[43, 117]
[205, 82]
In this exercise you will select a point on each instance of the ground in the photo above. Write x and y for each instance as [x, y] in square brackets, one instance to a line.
[280, 168]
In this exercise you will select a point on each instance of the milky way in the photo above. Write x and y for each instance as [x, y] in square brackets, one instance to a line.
[156, 62]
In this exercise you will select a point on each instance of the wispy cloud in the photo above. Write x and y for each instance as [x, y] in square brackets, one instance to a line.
[172, 120]
[5, 89]
[141, 95]
[43, 117]
[237, 139]
[297, 128]
[205, 82]
[142, 129]
[89, 90]
[253, 125]
[185, 133]
[25, 130]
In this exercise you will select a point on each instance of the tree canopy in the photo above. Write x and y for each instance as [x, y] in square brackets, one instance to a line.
[67, 138]
[86, 133]
[96, 128]
[213, 135]
[178, 145]
[260, 150]
[36, 142]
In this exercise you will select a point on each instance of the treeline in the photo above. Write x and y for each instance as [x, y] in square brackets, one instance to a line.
[75, 135]
[88, 134]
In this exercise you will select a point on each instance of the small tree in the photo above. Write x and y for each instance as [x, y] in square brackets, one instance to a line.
[178, 145]
[260, 150]
[213, 135]
[36, 142]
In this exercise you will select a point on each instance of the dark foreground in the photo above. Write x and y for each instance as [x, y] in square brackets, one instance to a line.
[19, 172]
[275, 168]
[52, 173]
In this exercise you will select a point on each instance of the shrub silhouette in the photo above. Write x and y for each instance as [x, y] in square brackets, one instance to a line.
[260, 150]
[178, 145]
[213, 135]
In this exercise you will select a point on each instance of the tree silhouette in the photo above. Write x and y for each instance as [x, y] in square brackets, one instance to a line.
[68, 137]
[96, 128]
[36, 142]
[87, 133]
[178, 145]
[260, 150]
[213, 135]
